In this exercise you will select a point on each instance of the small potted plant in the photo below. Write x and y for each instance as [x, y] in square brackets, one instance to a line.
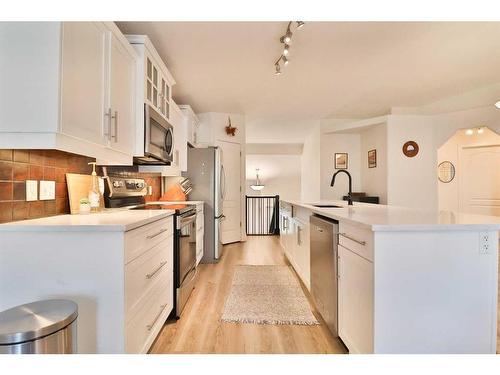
[84, 206]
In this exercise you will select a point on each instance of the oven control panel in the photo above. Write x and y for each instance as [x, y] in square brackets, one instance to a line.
[126, 187]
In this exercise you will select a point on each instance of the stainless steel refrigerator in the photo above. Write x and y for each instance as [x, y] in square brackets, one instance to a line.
[206, 172]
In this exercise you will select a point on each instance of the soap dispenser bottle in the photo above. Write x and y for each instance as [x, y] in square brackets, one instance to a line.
[94, 192]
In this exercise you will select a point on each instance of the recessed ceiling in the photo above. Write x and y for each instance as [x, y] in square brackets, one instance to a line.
[336, 70]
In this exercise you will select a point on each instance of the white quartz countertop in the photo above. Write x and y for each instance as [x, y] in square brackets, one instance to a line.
[176, 202]
[108, 221]
[379, 217]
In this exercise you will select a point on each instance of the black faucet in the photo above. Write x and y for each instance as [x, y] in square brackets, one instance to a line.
[349, 195]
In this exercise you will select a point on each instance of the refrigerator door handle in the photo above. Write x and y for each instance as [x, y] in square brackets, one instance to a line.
[222, 178]
[221, 216]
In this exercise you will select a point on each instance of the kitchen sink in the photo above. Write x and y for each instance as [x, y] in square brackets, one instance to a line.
[326, 206]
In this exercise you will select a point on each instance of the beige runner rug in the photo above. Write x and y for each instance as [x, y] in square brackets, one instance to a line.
[267, 295]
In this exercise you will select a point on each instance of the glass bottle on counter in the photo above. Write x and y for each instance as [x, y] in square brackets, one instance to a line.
[94, 192]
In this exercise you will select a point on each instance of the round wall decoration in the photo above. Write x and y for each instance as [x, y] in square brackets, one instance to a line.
[410, 149]
[446, 171]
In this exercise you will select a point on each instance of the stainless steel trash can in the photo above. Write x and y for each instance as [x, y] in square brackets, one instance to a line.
[42, 327]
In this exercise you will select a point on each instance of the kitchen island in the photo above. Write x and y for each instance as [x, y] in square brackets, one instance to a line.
[409, 281]
[117, 266]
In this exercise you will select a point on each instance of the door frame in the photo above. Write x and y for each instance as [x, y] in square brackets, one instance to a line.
[460, 170]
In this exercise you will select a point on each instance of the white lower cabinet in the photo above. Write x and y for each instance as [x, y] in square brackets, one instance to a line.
[294, 239]
[148, 283]
[355, 301]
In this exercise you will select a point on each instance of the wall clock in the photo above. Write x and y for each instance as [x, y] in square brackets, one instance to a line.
[410, 149]
[446, 171]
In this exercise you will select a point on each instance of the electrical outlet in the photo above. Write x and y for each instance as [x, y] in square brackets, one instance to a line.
[47, 190]
[484, 243]
[150, 190]
[31, 190]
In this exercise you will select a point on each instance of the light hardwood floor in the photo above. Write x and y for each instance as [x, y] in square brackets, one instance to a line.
[199, 330]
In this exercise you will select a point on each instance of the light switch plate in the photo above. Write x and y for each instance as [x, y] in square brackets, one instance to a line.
[47, 190]
[31, 190]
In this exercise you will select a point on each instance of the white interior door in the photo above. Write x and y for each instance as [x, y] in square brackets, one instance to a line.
[231, 190]
[479, 189]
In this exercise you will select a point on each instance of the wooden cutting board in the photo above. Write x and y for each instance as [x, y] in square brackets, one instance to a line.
[78, 188]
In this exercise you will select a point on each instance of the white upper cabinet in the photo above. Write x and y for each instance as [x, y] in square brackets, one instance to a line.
[121, 109]
[80, 84]
[192, 124]
[83, 81]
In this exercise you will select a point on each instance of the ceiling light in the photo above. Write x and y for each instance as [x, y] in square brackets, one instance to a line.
[257, 186]
[286, 50]
[285, 60]
[497, 104]
[469, 132]
[278, 69]
[480, 130]
[300, 24]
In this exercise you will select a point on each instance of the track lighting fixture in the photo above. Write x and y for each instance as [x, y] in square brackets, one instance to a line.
[497, 104]
[286, 39]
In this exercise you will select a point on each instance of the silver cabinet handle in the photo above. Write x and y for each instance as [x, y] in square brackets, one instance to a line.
[363, 243]
[156, 234]
[299, 238]
[150, 326]
[115, 117]
[109, 116]
[319, 229]
[150, 275]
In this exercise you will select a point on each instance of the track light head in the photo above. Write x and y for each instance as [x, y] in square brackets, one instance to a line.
[278, 69]
[286, 50]
[285, 60]
[300, 24]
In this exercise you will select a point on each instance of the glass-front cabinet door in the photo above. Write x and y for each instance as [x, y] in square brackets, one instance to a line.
[158, 90]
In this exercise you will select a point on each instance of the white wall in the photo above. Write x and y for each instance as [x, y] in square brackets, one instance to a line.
[448, 197]
[310, 167]
[279, 173]
[374, 180]
[411, 182]
[339, 143]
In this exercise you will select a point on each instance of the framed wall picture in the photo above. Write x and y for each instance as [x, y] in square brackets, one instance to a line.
[340, 161]
[372, 159]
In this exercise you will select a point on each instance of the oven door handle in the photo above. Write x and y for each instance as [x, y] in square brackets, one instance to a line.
[184, 220]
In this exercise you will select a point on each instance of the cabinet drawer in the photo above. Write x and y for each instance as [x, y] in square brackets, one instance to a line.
[143, 328]
[358, 240]
[142, 273]
[139, 240]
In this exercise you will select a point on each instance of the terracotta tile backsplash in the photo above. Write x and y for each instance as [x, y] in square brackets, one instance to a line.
[17, 166]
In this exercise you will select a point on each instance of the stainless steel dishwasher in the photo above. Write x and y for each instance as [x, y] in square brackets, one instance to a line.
[324, 251]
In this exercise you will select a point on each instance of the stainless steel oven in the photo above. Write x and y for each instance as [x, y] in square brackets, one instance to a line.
[184, 256]
[158, 139]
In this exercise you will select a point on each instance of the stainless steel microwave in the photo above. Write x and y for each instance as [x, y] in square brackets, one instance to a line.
[158, 139]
